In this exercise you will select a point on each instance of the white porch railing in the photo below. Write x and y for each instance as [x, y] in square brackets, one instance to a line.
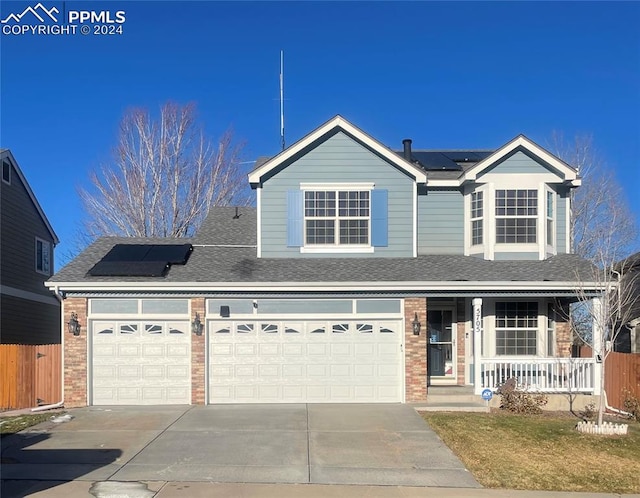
[552, 375]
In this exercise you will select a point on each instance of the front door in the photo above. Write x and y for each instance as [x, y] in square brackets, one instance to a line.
[441, 347]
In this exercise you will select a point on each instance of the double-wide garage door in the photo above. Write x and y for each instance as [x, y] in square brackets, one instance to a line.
[314, 361]
[141, 362]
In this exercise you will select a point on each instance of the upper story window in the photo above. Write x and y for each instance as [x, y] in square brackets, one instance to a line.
[516, 216]
[43, 256]
[336, 217]
[477, 210]
[6, 172]
[516, 328]
[549, 224]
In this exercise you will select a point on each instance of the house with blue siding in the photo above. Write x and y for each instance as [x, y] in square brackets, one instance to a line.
[363, 274]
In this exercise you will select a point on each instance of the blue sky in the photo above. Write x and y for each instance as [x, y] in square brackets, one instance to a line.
[446, 74]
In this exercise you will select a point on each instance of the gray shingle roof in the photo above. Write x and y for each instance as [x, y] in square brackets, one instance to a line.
[213, 263]
[229, 226]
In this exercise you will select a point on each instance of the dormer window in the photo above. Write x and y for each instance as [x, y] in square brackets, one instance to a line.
[516, 216]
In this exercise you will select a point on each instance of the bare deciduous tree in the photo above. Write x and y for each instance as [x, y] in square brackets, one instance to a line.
[605, 232]
[164, 177]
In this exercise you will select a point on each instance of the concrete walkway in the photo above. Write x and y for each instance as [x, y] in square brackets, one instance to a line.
[112, 489]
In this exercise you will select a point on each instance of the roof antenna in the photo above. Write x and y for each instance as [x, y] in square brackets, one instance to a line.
[282, 98]
[237, 215]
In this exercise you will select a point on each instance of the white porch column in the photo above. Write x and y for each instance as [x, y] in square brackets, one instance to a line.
[477, 344]
[598, 339]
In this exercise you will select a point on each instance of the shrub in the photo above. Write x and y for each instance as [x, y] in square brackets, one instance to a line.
[517, 399]
[631, 404]
[589, 412]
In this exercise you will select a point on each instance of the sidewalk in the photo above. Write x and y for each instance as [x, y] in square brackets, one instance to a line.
[161, 489]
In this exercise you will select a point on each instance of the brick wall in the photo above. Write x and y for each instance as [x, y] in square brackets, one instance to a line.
[75, 355]
[415, 350]
[198, 349]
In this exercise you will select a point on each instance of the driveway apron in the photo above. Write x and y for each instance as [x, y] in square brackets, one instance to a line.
[374, 444]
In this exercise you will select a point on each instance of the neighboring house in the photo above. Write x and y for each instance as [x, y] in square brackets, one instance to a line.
[29, 313]
[628, 339]
[363, 275]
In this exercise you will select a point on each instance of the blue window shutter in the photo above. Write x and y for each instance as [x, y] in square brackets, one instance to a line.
[295, 219]
[379, 218]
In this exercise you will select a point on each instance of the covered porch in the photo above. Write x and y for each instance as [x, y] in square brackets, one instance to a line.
[553, 371]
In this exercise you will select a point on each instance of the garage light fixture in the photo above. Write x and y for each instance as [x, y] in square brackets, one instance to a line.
[73, 324]
[196, 325]
[416, 325]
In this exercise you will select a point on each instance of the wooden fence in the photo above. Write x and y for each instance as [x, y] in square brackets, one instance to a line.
[29, 375]
[622, 372]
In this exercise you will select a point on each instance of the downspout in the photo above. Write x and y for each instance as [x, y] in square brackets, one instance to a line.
[611, 408]
[61, 402]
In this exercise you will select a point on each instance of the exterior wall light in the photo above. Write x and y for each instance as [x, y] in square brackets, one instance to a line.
[416, 325]
[73, 325]
[196, 325]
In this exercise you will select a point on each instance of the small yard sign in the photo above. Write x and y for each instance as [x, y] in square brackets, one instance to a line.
[487, 394]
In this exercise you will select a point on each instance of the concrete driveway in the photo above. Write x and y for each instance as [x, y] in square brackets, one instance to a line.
[297, 443]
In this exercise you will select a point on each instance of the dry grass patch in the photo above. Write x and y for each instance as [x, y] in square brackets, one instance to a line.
[540, 452]
[17, 423]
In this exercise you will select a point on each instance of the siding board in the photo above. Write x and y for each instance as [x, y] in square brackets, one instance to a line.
[441, 222]
[339, 159]
[519, 163]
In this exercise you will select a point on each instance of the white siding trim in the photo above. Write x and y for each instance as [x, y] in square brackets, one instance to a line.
[415, 220]
[259, 222]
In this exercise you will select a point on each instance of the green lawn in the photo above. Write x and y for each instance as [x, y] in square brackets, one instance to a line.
[542, 452]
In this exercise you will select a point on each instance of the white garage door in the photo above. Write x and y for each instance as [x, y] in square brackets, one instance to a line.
[141, 362]
[312, 361]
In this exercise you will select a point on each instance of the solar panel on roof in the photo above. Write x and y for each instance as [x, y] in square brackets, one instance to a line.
[141, 260]
[127, 252]
[129, 269]
[173, 253]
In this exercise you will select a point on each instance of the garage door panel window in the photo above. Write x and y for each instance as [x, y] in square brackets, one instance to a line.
[340, 328]
[177, 329]
[365, 328]
[129, 328]
[244, 328]
[269, 328]
[153, 329]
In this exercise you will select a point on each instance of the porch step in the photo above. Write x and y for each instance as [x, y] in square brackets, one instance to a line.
[453, 399]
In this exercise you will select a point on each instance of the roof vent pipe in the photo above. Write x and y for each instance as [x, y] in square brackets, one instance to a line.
[407, 148]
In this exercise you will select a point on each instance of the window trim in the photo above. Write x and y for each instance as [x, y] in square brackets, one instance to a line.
[41, 262]
[337, 247]
[550, 243]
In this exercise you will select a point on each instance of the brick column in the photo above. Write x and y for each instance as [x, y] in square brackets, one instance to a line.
[198, 349]
[75, 354]
[415, 350]
[564, 338]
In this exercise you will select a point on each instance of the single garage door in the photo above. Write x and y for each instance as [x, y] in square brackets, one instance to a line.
[305, 361]
[141, 362]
